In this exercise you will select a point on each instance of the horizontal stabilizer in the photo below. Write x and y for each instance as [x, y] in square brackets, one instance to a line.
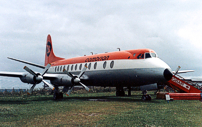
[33, 64]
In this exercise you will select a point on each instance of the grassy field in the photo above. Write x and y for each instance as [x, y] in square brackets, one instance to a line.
[83, 110]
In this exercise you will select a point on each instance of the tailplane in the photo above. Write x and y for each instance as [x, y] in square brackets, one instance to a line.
[49, 55]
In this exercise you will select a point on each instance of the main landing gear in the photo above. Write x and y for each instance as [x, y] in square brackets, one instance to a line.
[121, 92]
[57, 94]
[145, 97]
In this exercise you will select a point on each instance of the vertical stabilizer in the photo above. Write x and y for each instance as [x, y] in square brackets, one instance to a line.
[49, 54]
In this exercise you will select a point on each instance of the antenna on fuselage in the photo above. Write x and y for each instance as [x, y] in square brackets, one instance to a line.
[119, 49]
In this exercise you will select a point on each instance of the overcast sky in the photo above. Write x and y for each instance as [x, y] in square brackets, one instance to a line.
[172, 28]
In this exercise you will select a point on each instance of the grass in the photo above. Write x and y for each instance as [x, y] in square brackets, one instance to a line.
[78, 110]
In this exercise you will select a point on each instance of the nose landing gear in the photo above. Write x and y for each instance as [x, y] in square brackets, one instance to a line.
[145, 97]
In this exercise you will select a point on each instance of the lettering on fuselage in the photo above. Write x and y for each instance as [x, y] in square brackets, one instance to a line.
[102, 58]
[181, 83]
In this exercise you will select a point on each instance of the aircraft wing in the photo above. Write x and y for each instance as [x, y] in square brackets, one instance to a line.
[51, 76]
[20, 74]
[183, 71]
[12, 74]
[199, 80]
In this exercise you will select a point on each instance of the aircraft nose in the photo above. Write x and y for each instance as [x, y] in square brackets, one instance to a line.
[167, 74]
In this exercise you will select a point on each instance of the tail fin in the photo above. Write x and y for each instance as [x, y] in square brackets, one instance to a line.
[49, 55]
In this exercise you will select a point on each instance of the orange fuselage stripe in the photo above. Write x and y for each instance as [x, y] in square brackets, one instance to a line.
[127, 54]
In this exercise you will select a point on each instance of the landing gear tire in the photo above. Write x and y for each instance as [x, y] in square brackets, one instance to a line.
[55, 96]
[146, 97]
[61, 95]
[129, 91]
[120, 91]
[117, 93]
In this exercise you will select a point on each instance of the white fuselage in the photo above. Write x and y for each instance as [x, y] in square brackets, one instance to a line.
[126, 72]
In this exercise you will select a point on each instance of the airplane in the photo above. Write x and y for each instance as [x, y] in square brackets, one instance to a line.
[128, 68]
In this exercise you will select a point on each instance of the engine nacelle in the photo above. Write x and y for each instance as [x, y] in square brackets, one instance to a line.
[30, 79]
[62, 80]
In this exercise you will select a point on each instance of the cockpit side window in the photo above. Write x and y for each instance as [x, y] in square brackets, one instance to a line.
[153, 54]
[147, 55]
[140, 56]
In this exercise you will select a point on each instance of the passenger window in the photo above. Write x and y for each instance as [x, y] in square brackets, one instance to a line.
[95, 65]
[134, 54]
[112, 64]
[105, 64]
[60, 68]
[67, 67]
[63, 68]
[147, 55]
[55, 69]
[89, 66]
[80, 67]
[72, 67]
[75, 66]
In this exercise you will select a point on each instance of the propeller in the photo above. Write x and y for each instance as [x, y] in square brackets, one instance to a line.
[38, 78]
[76, 79]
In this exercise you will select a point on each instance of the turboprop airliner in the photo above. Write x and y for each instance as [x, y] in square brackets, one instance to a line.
[137, 67]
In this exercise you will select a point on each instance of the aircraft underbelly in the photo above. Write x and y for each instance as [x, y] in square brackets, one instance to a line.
[124, 77]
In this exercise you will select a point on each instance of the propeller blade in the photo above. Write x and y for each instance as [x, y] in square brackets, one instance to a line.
[46, 69]
[82, 71]
[31, 89]
[49, 85]
[30, 71]
[69, 91]
[87, 89]
[177, 70]
[68, 73]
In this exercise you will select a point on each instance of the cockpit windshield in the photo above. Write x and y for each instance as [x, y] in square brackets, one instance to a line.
[147, 55]
[150, 55]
